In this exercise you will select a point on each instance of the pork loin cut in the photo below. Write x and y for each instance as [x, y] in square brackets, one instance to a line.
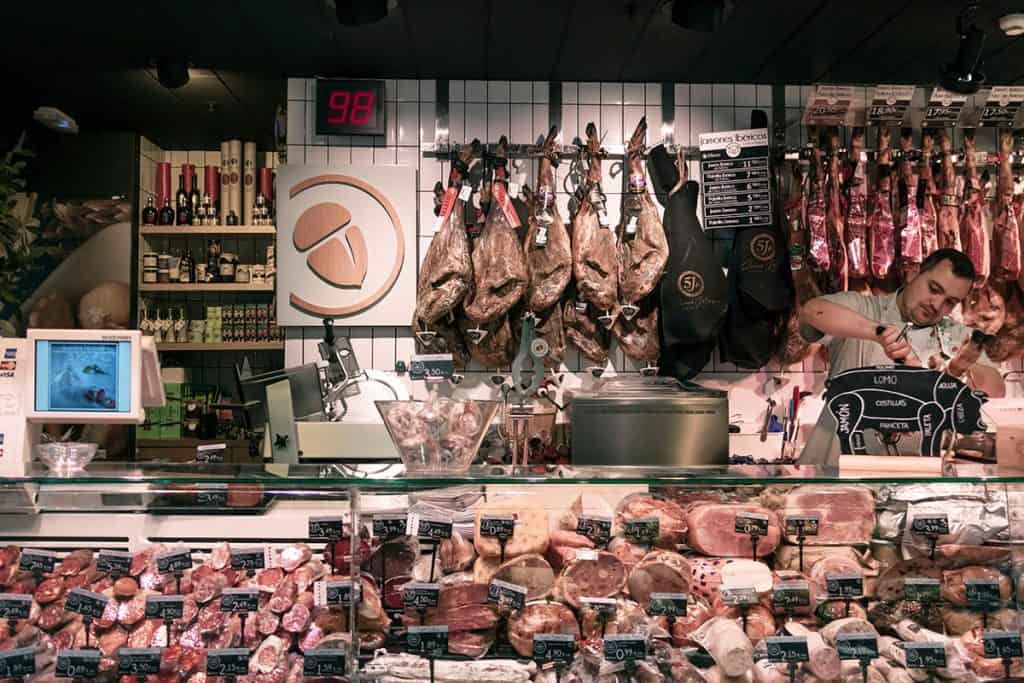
[712, 531]
[660, 571]
[603, 577]
[846, 514]
[539, 617]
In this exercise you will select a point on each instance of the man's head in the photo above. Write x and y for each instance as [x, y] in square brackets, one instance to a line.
[945, 280]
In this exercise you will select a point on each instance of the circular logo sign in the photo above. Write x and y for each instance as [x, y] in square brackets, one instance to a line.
[762, 247]
[690, 284]
[733, 150]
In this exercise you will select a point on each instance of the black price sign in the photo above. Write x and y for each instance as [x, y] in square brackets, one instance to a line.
[791, 594]
[983, 593]
[917, 589]
[114, 562]
[1002, 644]
[174, 562]
[433, 529]
[211, 453]
[752, 524]
[598, 529]
[506, 594]
[642, 530]
[625, 647]
[432, 366]
[668, 605]
[558, 648]
[844, 585]
[15, 606]
[18, 663]
[166, 607]
[419, 596]
[245, 559]
[739, 596]
[216, 496]
[233, 661]
[78, 663]
[603, 606]
[390, 526]
[37, 561]
[337, 593]
[239, 600]
[322, 663]
[802, 525]
[427, 641]
[930, 525]
[925, 655]
[497, 526]
[787, 649]
[857, 646]
[87, 603]
[326, 528]
[138, 661]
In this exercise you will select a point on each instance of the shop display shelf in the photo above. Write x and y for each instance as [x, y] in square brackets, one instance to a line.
[221, 346]
[203, 230]
[210, 287]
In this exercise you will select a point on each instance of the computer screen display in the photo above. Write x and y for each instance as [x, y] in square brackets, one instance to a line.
[82, 376]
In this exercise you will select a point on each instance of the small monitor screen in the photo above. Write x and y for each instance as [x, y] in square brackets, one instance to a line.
[83, 376]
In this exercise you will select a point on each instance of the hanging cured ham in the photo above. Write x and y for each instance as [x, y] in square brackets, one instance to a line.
[594, 259]
[1006, 260]
[499, 265]
[548, 251]
[638, 337]
[794, 349]
[838, 272]
[583, 330]
[856, 211]
[910, 247]
[973, 234]
[643, 248]
[881, 229]
[948, 220]
[928, 191]
[818, 248]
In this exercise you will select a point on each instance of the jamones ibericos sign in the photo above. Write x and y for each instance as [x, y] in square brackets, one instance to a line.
[346, 244]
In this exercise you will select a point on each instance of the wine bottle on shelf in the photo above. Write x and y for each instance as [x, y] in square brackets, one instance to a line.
[192, 186]
[213, 260]
[166, 215]
[232, 218]
[149, 214]
[187, 269]
[184, 214]
[197, 210]
[209, 212]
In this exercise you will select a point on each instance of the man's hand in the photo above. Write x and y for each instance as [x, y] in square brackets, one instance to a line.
[895, 346]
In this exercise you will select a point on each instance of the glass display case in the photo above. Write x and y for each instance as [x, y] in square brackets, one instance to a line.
[610, 574]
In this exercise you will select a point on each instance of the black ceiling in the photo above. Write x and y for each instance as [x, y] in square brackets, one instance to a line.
[92, 59]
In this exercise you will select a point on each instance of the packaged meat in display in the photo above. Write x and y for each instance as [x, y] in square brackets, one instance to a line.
[456, 554]
[548, 249]
[672, 519]
[406, 667]
[708, 575]
[536, 618]
[593, 575]
[846, 514]
[712, 530]
[530, 534]
[659, 571]
[725, 640]
[532, 572]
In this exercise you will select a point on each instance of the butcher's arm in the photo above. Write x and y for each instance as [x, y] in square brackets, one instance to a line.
[984, 377]
[825, 316]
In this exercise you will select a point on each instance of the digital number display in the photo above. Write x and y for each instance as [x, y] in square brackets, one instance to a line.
[350, 107]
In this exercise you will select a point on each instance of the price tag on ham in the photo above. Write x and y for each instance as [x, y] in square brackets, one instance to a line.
[433, 529]
[787, 649]
[925, 655]
[330, 593]
[18, 663]
[586, 555]
[245, 559]
[322, 663]
[752, 524]
[211, 453]
[944, 108]
[863, 646]
[930, 525]
[15, 606]
[166, 607]
[465, 193]
[1002, 644]
[389, 526]
[138, 661]
[417, 595]
[595, 527]
[37, 561]
[791, 594]
[87, 603]
[918, 589]
[983, 594]
[78, 663]
[213, 495]
[506, 595]
[497, 526]
[432, 367]
[117, 563]
[829, 105]
[326, 528]
[739, 596]
[604, 606]
[668, 604]
[841, 586]
[174, 562]
[240, 600]
[232, 661]
[1002, 106]
[889, 104]
[558, 648]
[427, 641]
[642, 530]
[625, 647]
[802, 525]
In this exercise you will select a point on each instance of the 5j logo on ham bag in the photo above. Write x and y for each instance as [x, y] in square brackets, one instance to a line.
[690, 284]
[346, 244]
[762, 247]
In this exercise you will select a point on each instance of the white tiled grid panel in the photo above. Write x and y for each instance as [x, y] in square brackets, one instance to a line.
[520, 109]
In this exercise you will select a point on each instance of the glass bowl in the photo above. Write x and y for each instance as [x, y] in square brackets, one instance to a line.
[440, 436]
[66, 456]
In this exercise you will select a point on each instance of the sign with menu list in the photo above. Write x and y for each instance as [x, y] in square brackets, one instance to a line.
[734, 170]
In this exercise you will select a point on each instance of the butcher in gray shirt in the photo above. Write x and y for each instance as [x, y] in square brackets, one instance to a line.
[863, 330]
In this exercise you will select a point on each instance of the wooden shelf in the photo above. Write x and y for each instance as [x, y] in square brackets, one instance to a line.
[211, 287]
[201, 230]
[221, 346]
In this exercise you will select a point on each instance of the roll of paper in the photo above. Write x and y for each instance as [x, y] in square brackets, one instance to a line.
[211, 184]
[249, 183]
[163, 183]
[235, 186]
[225, 181]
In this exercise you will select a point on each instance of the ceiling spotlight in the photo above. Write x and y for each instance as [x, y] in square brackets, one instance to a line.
[700, 15]
[171, 72]
[361, 12]
[964, 75]
[1012, 24]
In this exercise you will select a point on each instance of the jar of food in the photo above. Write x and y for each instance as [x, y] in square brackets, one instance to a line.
[200, 273]
[163, 275]
[149, 275]
[242, 273]
[149, 259]
[163, 261]
[228, 261]
[174, 268]
[257, 273]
